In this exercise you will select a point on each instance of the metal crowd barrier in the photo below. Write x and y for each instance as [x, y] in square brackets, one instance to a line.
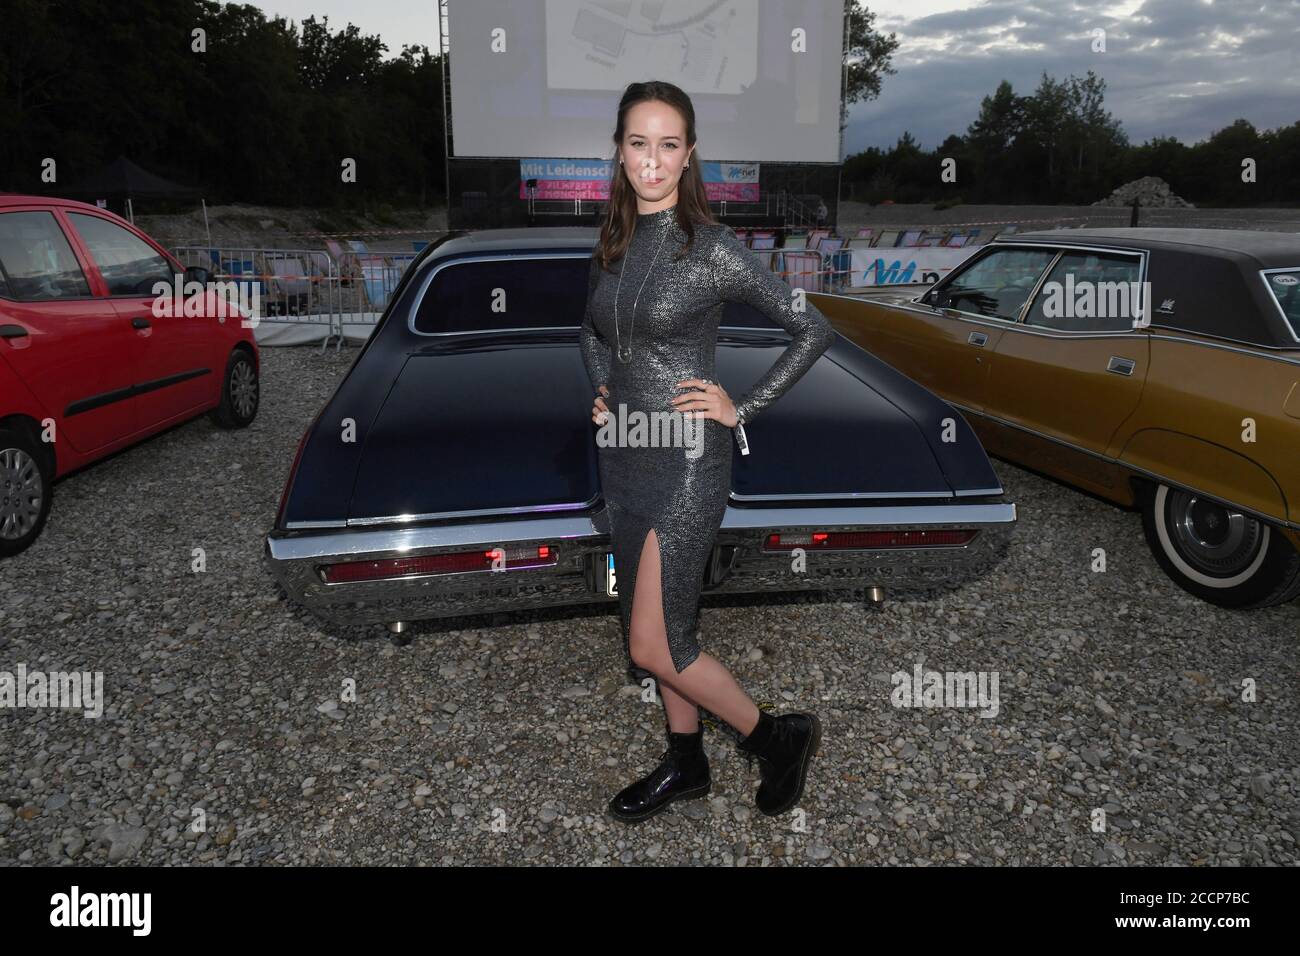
[818, 260]
[311, 287]
[346, 284]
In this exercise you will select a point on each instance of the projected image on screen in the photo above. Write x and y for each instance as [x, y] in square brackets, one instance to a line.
[542, 78]
[712, 45]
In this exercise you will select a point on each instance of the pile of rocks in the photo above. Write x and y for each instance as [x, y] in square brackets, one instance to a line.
[1151, 192]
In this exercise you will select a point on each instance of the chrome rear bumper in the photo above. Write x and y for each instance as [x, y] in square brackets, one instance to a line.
[738, 563]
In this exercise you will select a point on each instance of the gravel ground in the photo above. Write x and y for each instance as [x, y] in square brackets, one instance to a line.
[1117, 692]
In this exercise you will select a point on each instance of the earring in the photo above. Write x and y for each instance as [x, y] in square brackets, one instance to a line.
[687, 166]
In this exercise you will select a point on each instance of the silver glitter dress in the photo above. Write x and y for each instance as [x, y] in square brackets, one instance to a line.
[679, 491]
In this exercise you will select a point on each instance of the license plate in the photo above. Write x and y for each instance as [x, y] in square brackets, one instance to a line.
[611, 583]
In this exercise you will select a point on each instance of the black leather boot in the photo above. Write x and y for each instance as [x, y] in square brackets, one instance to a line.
[784, 746]
[683, 774]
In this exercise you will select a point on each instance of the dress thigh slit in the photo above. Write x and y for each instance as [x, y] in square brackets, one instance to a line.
[630, 533]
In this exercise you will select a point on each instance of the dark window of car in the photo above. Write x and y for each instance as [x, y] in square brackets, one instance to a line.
[128, 264]
[36, 260]
[745, 316]
[505, 294]
[534, 294]
[1089, 292]
[997, 285]
[1285, 287]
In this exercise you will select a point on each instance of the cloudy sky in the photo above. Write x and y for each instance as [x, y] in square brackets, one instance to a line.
[1180, 68]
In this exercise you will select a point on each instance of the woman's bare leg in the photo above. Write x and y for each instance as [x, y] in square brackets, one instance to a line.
[704, 681]
[683, 714]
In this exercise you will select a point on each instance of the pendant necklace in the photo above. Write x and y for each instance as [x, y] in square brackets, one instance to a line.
[625, 355]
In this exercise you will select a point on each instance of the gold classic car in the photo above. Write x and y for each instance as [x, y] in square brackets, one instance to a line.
[1157, 368]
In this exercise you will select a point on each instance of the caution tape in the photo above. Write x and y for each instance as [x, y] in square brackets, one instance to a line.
[247, 276]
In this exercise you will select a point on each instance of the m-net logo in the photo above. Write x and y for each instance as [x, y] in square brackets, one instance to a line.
[891, 274]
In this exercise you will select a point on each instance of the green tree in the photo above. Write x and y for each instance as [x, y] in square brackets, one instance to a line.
[866, 58]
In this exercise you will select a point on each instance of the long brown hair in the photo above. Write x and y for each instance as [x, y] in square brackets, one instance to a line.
[621, 211]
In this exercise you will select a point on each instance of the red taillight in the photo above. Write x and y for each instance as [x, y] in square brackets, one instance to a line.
[456, 562]
[856, 540]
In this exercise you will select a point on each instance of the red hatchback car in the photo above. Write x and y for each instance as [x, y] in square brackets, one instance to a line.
[88, 362]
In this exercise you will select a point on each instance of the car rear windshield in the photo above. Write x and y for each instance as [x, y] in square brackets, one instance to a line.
[1285, 287]
[524, 293]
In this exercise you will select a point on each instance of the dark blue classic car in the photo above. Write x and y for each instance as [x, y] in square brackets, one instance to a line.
[454, 469]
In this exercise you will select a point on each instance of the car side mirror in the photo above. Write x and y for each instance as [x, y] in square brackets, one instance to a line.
[197, 274]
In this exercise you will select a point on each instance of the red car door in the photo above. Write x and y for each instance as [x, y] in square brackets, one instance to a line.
[176, 373]
[69, 347]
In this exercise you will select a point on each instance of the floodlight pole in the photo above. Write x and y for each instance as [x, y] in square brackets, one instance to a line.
[444, 43]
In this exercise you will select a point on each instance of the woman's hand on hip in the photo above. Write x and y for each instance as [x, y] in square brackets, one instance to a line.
[706, 400]
[598, 409]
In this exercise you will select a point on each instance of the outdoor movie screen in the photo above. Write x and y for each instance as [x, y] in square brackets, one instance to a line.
[542, 78]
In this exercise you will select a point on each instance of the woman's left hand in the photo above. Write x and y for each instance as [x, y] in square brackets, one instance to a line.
[708, 400]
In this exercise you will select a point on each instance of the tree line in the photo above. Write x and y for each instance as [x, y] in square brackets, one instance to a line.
[1060, 145]
[250, 109]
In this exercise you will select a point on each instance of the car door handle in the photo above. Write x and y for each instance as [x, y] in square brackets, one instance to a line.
[12, 332]
[977, 338]
[140, 322]
[1120, 365]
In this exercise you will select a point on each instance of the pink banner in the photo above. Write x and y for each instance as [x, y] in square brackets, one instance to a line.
[567, 189]
[731, 192]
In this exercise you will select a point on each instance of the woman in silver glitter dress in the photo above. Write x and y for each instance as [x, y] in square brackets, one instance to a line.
[661, 273]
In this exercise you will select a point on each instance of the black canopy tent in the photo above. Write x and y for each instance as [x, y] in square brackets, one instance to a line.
[123, 181]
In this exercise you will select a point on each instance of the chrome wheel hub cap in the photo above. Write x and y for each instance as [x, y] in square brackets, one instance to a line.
[1214, 539]
[243, 389]
[20, 493]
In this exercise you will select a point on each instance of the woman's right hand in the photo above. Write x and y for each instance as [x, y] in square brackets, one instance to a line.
[598, 409]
